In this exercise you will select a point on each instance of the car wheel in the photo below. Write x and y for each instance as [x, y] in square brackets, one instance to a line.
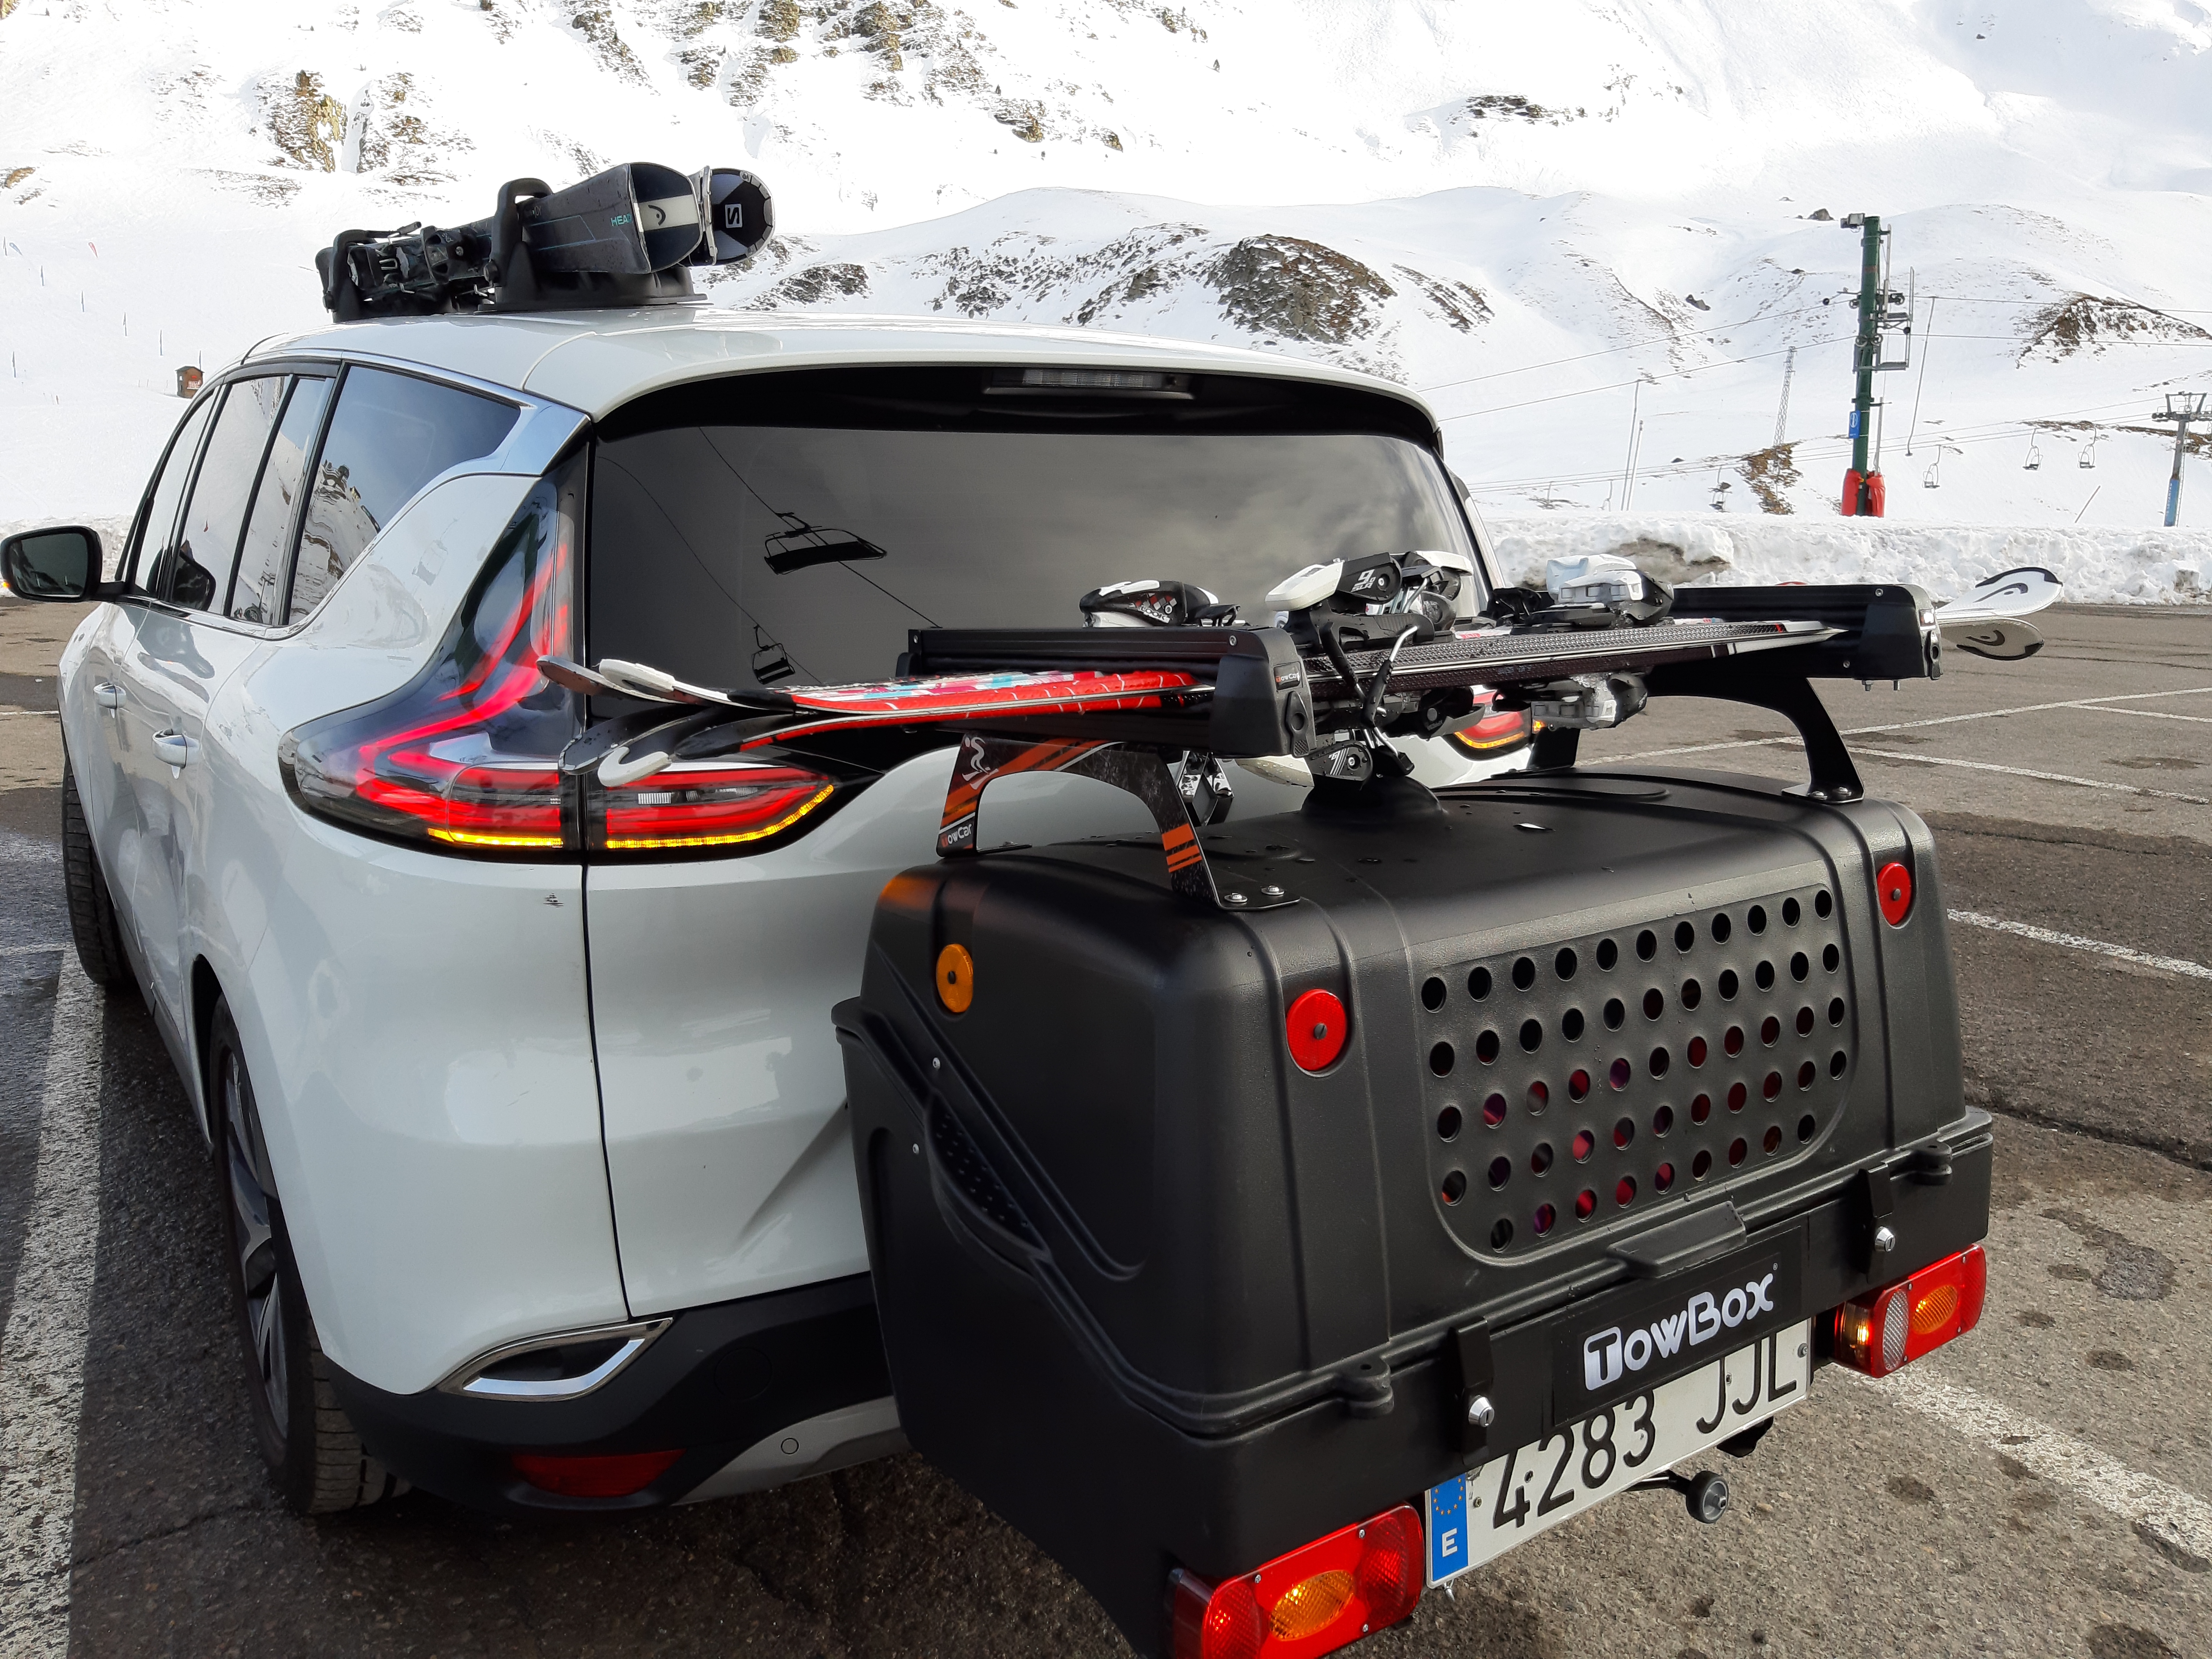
[93, 922]
[308, 1440]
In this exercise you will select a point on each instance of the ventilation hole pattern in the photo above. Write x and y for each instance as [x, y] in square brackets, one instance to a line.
[1634, 1037]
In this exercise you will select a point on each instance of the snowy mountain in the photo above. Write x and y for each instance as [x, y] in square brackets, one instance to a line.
[1592, 230]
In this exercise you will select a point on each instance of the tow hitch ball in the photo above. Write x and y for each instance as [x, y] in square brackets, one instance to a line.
[1704, 1495]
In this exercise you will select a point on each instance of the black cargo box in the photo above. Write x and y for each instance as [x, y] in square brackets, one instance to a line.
[1163, 1297]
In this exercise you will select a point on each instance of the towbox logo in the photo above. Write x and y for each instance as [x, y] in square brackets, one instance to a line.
[1665, 1338]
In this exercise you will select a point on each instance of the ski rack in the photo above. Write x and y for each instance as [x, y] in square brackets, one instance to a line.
[1760, 646]
[1123, 705]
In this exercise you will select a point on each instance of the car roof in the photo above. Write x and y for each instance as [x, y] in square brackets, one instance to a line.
[596, 360]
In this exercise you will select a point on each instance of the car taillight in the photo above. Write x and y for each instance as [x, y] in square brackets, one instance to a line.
[1498, 732]
[466, 756]
[616, 1476]
[1894, 1325]
[705, 804]
[1313, 1601]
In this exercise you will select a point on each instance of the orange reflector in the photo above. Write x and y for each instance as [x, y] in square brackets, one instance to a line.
[1894, 1325]
[956, 978]
[1311, 1602]
[1311, 1605]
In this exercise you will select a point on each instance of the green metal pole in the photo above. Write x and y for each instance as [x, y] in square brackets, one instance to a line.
[1868, 349]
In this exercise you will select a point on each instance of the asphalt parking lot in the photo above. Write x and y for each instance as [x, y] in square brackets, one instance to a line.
[2041, 1487]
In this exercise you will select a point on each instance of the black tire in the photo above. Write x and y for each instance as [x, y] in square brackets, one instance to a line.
[93, 922]
[314, 1455]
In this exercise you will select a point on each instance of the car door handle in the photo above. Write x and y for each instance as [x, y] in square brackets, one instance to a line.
[173, 748]
[107, 696]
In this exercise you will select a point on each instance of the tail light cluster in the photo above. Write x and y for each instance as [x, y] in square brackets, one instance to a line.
[467, 756]
[1313, 1601]
[1499, 732]
[1894, 1325]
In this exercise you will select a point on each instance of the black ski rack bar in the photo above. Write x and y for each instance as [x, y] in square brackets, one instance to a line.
[1882, 633]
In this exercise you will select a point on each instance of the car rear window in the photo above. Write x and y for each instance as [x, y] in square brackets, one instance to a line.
[390, 434]
[742, 552]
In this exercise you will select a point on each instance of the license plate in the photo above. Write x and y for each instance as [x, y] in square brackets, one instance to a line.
[1476, 1518]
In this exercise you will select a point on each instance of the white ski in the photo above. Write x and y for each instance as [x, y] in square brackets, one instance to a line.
[2009, 593]
[2001, 639]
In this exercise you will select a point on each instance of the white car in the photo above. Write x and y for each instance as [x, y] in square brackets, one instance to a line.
[526, 1087]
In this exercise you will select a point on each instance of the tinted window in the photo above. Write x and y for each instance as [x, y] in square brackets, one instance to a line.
[391, 434]
[169, 488]
[976, 529]
[194, 571]
[257, 595]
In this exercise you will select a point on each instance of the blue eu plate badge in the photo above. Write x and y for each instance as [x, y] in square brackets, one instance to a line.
[1448, 1544]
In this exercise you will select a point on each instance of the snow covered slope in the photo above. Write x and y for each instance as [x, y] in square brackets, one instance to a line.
[1581, 226]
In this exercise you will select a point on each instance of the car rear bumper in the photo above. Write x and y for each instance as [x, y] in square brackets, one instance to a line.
[749, 1393]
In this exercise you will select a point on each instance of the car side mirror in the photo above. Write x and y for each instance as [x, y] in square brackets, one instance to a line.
[62, 564]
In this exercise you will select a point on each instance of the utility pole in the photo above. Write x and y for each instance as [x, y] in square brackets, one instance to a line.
[1864, 493]
[2181, 408]
[1635, 425]
[1782, 415]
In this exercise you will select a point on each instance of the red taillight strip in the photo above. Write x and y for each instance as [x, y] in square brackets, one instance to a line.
[528, 823]
[1500, 731]
[807, 803]
[709, 803]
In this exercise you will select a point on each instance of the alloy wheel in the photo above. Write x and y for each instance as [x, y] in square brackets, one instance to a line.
[253, 1236]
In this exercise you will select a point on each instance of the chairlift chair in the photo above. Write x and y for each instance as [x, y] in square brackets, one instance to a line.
[2034, 461]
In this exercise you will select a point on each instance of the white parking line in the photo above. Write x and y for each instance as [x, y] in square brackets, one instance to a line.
[2095, 704]
[2156, 715]
[42, 1351]
[2040, 777]
[2075, 942]
[2158, 1511]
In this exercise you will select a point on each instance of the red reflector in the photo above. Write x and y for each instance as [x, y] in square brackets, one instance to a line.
[1893, 890]
[1894, 1325]
[618, 1476]
[1311, 1602]
[1316, 1029]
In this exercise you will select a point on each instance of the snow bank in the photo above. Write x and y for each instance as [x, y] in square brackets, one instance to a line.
[2097, 564]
